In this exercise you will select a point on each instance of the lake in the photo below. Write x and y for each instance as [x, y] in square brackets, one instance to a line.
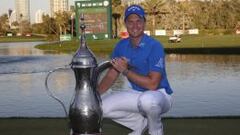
[204, 85]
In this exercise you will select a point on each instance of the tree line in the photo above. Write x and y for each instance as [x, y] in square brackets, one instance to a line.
[169, 15]
[160, 14]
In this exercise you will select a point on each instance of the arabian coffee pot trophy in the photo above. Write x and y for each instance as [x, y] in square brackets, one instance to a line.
[85, 112]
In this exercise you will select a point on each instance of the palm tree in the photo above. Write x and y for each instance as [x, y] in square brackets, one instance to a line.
[152, 8]
[201, 14]
[117, 11]
[62, 19]
[170, 19]
[49, 25]
[186, 13]
[26, 27]
[230, 13]
[4, 25]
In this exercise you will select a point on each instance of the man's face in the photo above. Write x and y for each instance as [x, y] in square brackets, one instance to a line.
[135, 25]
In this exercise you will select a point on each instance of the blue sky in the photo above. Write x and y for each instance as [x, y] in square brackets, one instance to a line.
[34, 6]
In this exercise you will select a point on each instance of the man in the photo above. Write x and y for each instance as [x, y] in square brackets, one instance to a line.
[140, 58]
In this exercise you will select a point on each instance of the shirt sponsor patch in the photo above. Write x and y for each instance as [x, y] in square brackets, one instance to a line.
[160, 63]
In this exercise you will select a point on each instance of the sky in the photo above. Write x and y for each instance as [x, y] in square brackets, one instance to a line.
[5, 5]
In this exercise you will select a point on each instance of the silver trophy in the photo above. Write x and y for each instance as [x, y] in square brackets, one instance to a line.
[85, 112]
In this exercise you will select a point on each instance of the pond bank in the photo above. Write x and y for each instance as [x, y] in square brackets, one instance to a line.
[221, 44]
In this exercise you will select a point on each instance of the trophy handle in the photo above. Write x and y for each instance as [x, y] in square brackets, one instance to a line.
[101, 67]
[50, 93]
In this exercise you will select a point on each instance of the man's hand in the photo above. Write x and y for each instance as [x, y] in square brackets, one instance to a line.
[120, 64]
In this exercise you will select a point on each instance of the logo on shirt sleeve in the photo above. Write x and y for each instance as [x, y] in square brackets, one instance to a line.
[160, 63]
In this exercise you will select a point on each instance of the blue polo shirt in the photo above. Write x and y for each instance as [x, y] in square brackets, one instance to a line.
[147, 56]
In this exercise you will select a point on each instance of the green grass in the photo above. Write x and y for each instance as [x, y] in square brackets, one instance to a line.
[99, 46]
[196, 42]
[21, 39]
[189, 44]
[206, 41]
[172, 126]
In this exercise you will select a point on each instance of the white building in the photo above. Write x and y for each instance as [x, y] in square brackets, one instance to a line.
[22, 10]
[38, 16]
[129, 2]
[58, 6]
[12, 18]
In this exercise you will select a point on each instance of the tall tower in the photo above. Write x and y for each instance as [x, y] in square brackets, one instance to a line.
[58, 6]
[22, 10]
[38, 16]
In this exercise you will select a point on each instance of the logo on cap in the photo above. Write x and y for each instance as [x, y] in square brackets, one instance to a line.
[134, 9]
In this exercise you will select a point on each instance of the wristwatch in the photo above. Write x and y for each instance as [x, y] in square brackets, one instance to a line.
[125, 72]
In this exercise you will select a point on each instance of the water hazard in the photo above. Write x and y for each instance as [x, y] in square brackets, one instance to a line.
[204, 85]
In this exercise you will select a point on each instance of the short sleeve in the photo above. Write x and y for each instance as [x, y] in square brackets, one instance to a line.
[156, 58]
[116, 52]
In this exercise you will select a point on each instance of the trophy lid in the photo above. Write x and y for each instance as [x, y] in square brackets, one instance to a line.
[84, 57]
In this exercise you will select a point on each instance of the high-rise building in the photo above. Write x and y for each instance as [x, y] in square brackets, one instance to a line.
[22, 10]
[38, 16]
[58, 6]
[12, 18]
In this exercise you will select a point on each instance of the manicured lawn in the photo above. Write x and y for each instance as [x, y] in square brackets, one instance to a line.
[210, 44]
[193, 43]
[207, 41]
[172, 126]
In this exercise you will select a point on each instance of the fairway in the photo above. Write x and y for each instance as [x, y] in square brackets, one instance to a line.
[172, 126]
[190, 44]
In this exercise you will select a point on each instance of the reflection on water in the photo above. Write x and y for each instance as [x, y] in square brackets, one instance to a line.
[19, 49]
[190, 65]
[23, 49]
[204, 85]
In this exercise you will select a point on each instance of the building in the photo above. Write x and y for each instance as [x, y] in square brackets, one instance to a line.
[22, 10]
[58, 6]
[38, 16]
[129, 2]
[12, 18]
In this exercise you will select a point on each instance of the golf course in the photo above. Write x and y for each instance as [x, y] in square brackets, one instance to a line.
[194, 44]
[190, 44]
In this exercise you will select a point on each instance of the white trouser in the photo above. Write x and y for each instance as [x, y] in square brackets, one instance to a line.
[137, 110]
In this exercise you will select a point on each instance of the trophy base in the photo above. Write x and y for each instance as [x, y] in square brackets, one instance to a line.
[72, 133]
